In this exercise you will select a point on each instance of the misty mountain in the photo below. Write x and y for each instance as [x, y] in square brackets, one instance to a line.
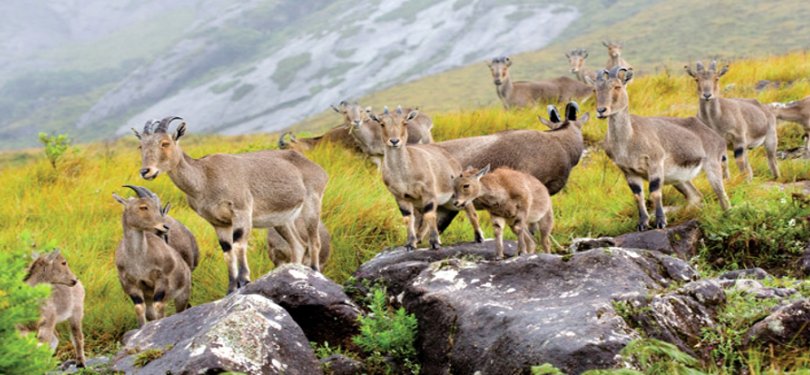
[93, 69]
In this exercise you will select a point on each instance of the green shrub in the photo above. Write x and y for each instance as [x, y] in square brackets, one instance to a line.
[546, 369]
[657, 357]
[19, 306]
[386, 333]
[55, 146]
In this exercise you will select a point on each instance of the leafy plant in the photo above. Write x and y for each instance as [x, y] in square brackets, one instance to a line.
[657, 357]
[386, 333]
[19, 306]
[546, 369]
[143, 358]
[55, 146]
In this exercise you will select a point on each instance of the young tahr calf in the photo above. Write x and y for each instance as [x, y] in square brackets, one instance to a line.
[511, 197]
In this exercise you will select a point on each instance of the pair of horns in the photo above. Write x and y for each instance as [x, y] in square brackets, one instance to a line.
[712, 66]
[143, 192]
[571, 110]
[162, 125]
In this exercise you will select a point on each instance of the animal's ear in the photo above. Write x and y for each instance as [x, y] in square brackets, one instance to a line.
[368, 109]
[374, 117]
[571, 110]
[723, 71]
[605, 43]
[412, 115]
[547, 123]
[136, 133]
[165, 209]
[508, 61]
[181, 130]
[482, 172]
[489, 63]
[625, 75]
[585, 56]
[589, 80]
[119, 199]
[689, 71]
[335, 108]
[567, 55]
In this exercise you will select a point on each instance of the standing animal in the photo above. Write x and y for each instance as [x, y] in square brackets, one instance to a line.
[615, 55]
[281, 253]
[661, 150]
[419, 177]
[576, 62]
[366, 132]
[529, 93]
[744, 123]
[235, 193]
[796, 111]
[66, 301]
[549, 156]
[149, 269]
[338, 135]
[511, 197]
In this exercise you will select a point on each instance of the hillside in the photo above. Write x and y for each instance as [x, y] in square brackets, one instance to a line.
[72, 206]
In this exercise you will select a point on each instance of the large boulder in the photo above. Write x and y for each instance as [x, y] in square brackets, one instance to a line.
[240, 333]
[681, 240]
[317, 304]
[502, 317]
[788, 325]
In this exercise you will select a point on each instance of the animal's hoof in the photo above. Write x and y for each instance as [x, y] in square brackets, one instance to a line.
[641, 227]
[660, 224]
[409, 247]
[479, 237]
[435, 245]
[499, 257]
[242, 283]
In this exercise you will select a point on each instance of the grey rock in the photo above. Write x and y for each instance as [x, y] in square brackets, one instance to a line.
[756, 288]
[681, 240]
[319, 306]
[504, 316]
[584, 244]
[341, 365]
[788, 325]
[749, 273]
[241, 333]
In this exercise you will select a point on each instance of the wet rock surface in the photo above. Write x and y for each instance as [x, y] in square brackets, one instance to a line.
[318, 305]
[240, 333]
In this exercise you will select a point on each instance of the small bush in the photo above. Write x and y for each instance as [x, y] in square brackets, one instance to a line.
[55, 146]
[143, 358]
[385, 333]
[19, 306]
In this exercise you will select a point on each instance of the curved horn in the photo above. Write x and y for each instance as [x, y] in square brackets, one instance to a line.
[142, 191]
[147, 128]
[385, 110]
[281, 143]
[571, 111]
[553, 115]
[713, 66]
[699, 66]
[399, 109]
[163, 126]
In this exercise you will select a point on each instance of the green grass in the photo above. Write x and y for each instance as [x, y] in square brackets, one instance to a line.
[72, 205]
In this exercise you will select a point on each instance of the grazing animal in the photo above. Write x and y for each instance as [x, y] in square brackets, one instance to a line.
[338, 135]
[744, 123]
[149, 269]
[797, 111]
[529, 93]
[419, 177]
[66, 301]
[235, 193]
[661, 150]
[615, 55]
[511, 197]
[281, 253]
[549, 156]
[576, 62]
[367, 132]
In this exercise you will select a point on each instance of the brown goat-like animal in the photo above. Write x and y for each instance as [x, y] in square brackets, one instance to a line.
[367, 132]
[281, 253]
[744, 123]
[338, 135]
[661, 150]
[235, 193]
[149, 269]
[615, 55]
[576, 63]
[796, 111]
[419, 178]
[560, 150]
[511, 197]
[66, 302]
[529, 93]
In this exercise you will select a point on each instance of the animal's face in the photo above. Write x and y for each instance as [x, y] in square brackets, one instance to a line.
[499, 67]
[611, 92]
[353, 114]
[467, 186]
[52, 269]
[576, 61]
[394, 129]
[160, 151]
[707, 80]
[144, 214]
[614, 50]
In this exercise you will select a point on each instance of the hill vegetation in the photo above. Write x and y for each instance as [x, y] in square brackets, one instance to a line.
[71, 204]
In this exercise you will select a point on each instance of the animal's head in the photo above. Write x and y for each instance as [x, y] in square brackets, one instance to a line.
[51, 268]
[394, 126]
[144, 212]
[556, 122]
[576, 59]
[353, 114]
[160, 151]
[610, 87]
[707, 80]
[499, 67]
[467, 186]
[614, 48]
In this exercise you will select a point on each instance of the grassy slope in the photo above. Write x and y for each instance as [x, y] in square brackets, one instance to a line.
[73, 206]
[658, 35]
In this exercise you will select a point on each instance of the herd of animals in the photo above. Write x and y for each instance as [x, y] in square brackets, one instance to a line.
[510, 174]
